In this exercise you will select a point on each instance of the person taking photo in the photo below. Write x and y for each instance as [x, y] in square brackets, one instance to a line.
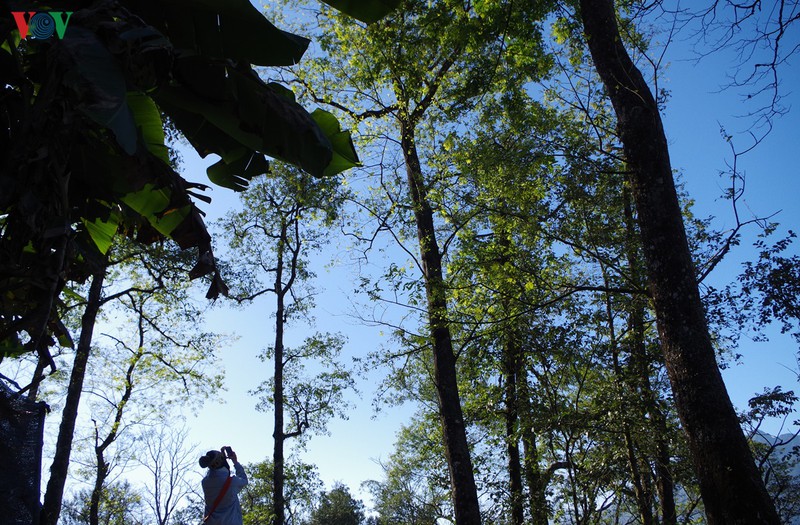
[221, 489]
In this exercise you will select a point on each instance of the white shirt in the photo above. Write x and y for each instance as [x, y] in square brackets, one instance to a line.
[229, 511]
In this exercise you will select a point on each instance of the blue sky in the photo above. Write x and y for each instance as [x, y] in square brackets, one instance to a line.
[693, 117]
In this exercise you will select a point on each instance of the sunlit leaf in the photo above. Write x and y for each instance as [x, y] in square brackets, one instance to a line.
[151, 203]
[102, 232]
[344, 152]
[148, 120]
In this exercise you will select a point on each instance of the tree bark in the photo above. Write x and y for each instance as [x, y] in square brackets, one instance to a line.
[665, 486]
[283, 269]
[51, 507]
[278, 466]
[103, 466]
[640, 362]
[511, 368]
[97, 490]
[536, 480]
[732, 489]
[462, 480]
[641, 491]
[651, 413]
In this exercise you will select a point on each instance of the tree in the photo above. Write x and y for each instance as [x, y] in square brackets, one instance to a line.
[420, 72]
[733, 492]
[414, 489]
[274, 235]
[192, 513]
[145, 285]
[547, 246]
[506, 283]
[300, 490]
[338, 507]
[776, 456]
[58, 471]
[121, 505]
[166, 350]
[167, 457]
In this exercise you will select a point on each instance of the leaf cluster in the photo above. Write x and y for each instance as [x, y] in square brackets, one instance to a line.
[84, 147]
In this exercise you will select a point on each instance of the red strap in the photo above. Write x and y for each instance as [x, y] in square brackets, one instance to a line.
[219, 498]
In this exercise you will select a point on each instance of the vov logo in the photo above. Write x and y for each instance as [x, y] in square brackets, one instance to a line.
[42, 25]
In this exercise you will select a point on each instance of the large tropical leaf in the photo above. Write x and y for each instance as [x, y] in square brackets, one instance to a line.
[367, 11]
[253, 116]
[344, 152]
[193, 58]
[99, 86]
[148, 120]
[235, 170]
[102, 232]
[156, 205]
[221, 29]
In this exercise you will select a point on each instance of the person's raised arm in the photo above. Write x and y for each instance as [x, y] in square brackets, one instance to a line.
[240, 479]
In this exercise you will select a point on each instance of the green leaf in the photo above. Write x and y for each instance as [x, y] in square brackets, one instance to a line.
[99, 86]
[148, 201]
[72, 294]
[222, 29]
[225, 172]
[153, 205]
[170, 219]
[148, 120]
[12, 39]
[252, 116]
[11, 347]
[368, 11]
[103, 232]
[344, 152]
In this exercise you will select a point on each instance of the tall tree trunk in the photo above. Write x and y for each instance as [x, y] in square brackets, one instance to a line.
[462, 480]
[51, 507]
[511, 364]
[97, 490]
[536, 480]
[664, 481]
[641, 490]
[103, 467]
[640, 362]
[278, 500]
[651, 413]
[732, 489]
[510, 370]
